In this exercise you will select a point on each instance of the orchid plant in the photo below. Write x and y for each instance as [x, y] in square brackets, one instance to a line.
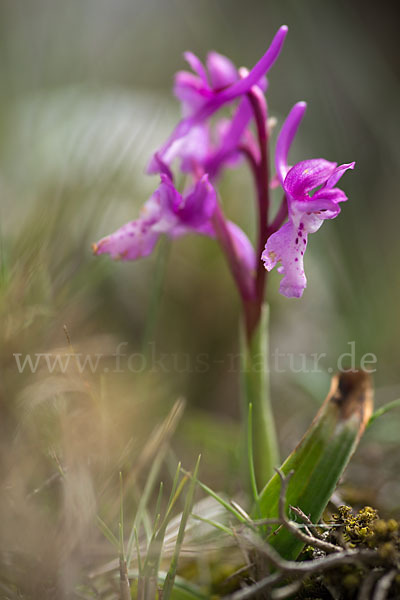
[202, 146]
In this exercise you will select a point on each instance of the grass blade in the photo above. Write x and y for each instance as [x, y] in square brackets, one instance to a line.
[220, 500]
[384, 409]
[106, 531]
[148, 488]
[214, 524]
[169, 580]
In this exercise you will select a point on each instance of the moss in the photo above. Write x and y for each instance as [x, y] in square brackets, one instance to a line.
[362, 529]
[357, 529]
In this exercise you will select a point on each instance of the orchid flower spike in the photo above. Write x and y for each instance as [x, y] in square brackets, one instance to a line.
[312, 197]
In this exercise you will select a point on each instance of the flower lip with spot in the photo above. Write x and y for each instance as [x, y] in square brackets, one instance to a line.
[166, 212]
[173, 214]
[312, 198]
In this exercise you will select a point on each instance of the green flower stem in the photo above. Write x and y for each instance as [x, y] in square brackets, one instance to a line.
[320, 458]
[262, 444]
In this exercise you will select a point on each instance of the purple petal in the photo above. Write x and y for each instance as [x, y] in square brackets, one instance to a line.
[182, 129]
[262, 83]
[282, 247]
[167, 197]
[191, 91]
[221, 70]
[323, 208]
[339, 171]
[181, 229]
[138, 238]
[327, 200]
[244, 249]
[230, 138]
[323, 205]
[132, 241]
[192, 148]
[306, 176]
[197, 66]
[162, 167]
[286, 137]
[198, 206]
[261, 68]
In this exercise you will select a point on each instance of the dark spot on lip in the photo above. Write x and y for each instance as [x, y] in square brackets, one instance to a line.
[297, 241]
[300, 234]
[296, 259]
[304, 241]
[301, 226]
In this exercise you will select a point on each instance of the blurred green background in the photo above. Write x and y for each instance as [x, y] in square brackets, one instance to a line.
[84, 101]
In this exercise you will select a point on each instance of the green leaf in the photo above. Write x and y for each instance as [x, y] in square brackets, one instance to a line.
[321, 457]
[256, 391]
[250, 453]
